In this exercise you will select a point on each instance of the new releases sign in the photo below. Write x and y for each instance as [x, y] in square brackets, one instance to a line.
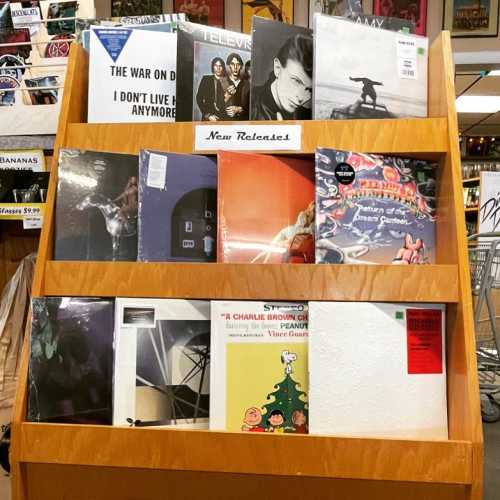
[248, 137]
[132, 76]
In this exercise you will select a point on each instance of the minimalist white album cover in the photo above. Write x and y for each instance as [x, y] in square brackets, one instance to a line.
[162, 363]
[132, 76]
[364, 72]
[377, 370]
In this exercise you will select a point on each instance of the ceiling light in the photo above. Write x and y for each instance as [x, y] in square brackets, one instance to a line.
[478, 104]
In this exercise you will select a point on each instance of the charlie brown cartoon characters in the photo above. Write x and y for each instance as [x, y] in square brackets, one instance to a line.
[252, 420]
[299, 422]
[275, 422]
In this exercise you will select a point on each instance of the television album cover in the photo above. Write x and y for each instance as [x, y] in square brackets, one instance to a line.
[282, 71]
[374, 209]
[213, 74]
[96, 206]
[177, 207]
[127, 83]
[385, 77]
[389, 356]
[265, 209]
[259, 378]
[71, 360]
[162, 363]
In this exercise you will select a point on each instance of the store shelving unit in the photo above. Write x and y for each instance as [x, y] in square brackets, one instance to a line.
[56, 461]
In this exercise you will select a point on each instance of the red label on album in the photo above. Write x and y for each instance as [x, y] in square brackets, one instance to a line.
[424, 341]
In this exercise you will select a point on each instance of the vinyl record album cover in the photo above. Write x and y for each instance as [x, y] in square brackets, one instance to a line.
[207, 12]
[278, 10]
[389, 358]
[385, 76]
[385, 23]
[374, 209]
[259, 378]
[344, 8]
[71, 360]
[96, 207]
[213, 74]
[162, 363]
[128, 83]
[177, 207]
[282, 71]
[265, 209]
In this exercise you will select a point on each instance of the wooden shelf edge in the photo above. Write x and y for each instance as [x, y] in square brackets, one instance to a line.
[381, 283]
[472, 179]
[395, 136]
[446, 462]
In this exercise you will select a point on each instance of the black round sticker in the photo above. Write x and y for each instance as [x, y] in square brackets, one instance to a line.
[344, 173]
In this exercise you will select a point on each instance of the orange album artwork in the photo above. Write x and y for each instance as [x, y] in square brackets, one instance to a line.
[265, 209]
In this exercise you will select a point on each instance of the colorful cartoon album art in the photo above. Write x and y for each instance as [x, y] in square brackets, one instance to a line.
[374, 209]
[278, 10]
[276, 402]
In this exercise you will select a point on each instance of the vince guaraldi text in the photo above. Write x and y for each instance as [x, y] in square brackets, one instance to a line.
[215, 135]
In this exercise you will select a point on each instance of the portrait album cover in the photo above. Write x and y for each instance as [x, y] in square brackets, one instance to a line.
[71, 360]
[389, 356]
[127, 83]
[259, 377]
[177, 207]
[96, 206]
[374, 209]
[279, 225]
[385, 77]
[213, 74]
[282, 71]
[162, 363]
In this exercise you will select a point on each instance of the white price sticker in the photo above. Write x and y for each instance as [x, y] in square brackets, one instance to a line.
[33, 222]
[407, 68]
[407, 48]
[157, 171]
[248, 137]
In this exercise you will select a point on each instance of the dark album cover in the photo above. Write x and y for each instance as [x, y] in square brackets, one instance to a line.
[23, 186]
[96, 208]
[385, 76]
[162, 363]
[177, 207]
[121, 8]
[71, 360]
[374, 209]
[282, 71]
[213, 74]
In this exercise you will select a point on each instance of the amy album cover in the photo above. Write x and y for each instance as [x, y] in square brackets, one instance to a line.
[385, 23]
[213, 74]
[71, 360]
[374, 209]
[384, 77]
[162, 363]
[265, 209]
[96, 207]
[177, 207]
[259, 379]
[282, 71]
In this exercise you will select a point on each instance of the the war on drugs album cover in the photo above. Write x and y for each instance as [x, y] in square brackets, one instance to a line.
[177, 207]
[282, 71]
[71, 360]
[213, 74]
[384, 77]
[374, 209]
[162, 363]
[96, 207]
[265, 209]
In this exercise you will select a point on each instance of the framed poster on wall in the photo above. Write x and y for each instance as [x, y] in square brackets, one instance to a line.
[410, 10]
[471, 18]
[125, 8]
[279, 10]
[207, 12]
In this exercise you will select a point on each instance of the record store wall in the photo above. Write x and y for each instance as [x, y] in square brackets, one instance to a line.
[434, 21]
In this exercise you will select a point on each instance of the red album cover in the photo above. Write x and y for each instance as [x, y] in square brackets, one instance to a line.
[265, 209]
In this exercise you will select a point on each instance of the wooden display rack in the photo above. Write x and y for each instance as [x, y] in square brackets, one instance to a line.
[56, 461]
